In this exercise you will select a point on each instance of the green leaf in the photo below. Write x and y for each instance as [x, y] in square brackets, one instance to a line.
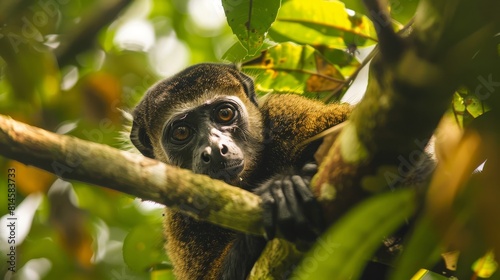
[318, 22]
[486, 266]
[356, 5]
[401, 10]
[346, 62]
[293, 68]
[238, 53]
[342, 252]
[458, 108]
[164, 274]
[143, 247]
[468, 106]
[250, 20]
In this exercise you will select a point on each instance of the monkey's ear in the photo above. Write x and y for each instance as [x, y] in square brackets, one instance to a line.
[248, 85]
[141, 140]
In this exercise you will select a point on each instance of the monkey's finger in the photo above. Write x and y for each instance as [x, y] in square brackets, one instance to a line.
[310, 169]
[269, 214]
[302, 188]
[307, 181]
[302, 229]
[310, 205]
[293, 204]
[283, 215]
[293, 201]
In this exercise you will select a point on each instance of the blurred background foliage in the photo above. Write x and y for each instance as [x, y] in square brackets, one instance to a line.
[67, 66]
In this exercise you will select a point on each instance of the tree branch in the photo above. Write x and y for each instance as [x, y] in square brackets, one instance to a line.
[406, 96]
[72, 158]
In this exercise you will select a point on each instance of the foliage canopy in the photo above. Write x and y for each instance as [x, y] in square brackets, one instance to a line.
[67, 65]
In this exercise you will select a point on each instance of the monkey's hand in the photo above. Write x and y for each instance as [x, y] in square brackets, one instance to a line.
[290, 206]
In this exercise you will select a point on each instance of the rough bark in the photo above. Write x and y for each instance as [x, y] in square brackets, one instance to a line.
[75, 159]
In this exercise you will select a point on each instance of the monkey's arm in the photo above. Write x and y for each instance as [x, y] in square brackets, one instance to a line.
[242, 254]
[290, 207]
[289, 121]
[289, 204]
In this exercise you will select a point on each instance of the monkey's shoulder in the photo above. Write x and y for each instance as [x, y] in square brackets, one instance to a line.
[302, 116]
[288, 121]
[291, 119]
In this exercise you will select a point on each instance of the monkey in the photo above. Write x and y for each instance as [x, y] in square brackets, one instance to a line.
[207, 118]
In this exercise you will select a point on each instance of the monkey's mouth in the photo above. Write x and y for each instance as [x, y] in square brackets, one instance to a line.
[229, 172]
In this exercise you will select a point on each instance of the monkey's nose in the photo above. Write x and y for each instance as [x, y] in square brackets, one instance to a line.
[215, 154]
[224, 149]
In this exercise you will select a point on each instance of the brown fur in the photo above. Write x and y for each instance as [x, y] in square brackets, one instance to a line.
[197, 249]
[289, 120]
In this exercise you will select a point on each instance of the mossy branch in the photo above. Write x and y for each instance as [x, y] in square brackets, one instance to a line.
[411, 83]
[75, 159]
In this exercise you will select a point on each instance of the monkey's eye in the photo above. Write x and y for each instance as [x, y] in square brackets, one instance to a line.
[225, 113]
[181, 133]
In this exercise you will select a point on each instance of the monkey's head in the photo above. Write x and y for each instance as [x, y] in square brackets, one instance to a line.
[205, 119]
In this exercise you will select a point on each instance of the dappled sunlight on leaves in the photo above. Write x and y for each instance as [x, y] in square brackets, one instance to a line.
[67, 66]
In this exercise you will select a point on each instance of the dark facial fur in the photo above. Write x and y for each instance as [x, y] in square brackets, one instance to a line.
[205, 119]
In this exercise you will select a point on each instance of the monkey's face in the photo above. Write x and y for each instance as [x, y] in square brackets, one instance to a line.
[213, 138]
[205, 119]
